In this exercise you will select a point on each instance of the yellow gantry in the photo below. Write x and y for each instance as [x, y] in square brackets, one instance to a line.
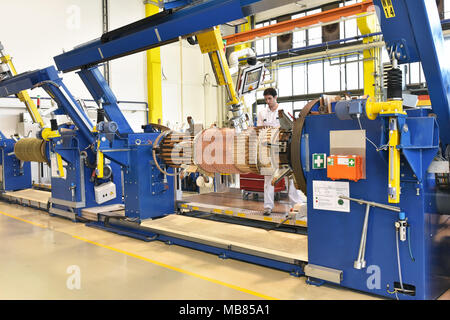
[211, 42]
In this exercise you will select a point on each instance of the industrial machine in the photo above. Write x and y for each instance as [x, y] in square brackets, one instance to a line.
[377, 202]
[14, 173]
[80, 177]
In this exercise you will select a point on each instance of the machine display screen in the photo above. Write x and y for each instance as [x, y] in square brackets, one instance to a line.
[252, 79]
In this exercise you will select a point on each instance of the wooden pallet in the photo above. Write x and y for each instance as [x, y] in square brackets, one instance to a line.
[114, 210]
[280, 246]
[29, 197]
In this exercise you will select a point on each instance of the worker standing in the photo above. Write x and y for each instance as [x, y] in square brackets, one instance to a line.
[268, 117]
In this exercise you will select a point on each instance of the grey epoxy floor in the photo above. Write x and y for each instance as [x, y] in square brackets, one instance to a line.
[39, 263]
[36, 251]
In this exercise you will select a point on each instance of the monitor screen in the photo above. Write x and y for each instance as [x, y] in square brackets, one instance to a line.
[253, 76]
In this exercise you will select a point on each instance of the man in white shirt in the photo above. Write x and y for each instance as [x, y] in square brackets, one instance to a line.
[268, 117]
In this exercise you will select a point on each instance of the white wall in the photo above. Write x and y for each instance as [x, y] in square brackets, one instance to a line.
[188, 85]
[36, 31]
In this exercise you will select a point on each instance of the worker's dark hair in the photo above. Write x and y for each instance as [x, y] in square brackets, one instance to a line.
[270, 92]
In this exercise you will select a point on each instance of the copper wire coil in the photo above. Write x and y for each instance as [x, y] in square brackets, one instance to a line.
[176, 149]
[215, 150]
[246, 151]
[203, 143]
[31, 149]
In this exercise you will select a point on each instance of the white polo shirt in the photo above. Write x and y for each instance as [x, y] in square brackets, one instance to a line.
[268, 118]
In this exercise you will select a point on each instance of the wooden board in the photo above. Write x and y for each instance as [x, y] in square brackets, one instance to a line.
[113, 210]
[281, 246]
[29, 196]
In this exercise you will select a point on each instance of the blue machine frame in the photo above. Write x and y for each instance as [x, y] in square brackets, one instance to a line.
[14, 174]
[75, 190]
[333, 237]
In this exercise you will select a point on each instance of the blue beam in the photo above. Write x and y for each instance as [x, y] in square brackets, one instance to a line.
[49, 80]
[166, 29]
[100, 90]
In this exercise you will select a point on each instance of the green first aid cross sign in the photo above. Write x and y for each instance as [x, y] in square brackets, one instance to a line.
[351, 162]
[319, 160]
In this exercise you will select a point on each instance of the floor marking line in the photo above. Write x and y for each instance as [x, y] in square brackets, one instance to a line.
[254, 293]
[228, 285]
[23, 220]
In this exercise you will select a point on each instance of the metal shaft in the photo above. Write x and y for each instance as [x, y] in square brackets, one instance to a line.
[360, 263]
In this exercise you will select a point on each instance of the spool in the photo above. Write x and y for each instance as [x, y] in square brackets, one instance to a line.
[31, 149]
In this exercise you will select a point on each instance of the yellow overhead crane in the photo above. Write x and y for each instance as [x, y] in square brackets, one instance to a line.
[211, 42]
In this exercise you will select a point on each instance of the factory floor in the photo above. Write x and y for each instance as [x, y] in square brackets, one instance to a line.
[45, 257]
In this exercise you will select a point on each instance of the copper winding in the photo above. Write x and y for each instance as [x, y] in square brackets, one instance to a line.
[176, 149]
[256, 150]
[246, 151]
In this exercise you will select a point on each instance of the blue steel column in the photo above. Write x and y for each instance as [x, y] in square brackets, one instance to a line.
[100, 90]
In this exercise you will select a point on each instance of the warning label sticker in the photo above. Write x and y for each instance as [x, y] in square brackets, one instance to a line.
[326, 195]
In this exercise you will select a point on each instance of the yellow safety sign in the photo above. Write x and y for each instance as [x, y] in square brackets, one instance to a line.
[388, 8]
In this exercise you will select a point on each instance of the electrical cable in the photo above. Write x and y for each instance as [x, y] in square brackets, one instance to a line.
[409, 244]
[398, 260]
[383, 147]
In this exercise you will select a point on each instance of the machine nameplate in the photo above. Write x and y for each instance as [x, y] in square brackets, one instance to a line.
[326, 195]
[388, 8]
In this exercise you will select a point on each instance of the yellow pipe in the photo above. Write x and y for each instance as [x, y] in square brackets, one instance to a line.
[154, 82]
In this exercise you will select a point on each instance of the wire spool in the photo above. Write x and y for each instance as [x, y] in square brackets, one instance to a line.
[31, 149]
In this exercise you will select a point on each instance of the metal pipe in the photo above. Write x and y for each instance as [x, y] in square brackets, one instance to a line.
[372, 204]
[377, 44]
[360, 263]
[315, 46]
